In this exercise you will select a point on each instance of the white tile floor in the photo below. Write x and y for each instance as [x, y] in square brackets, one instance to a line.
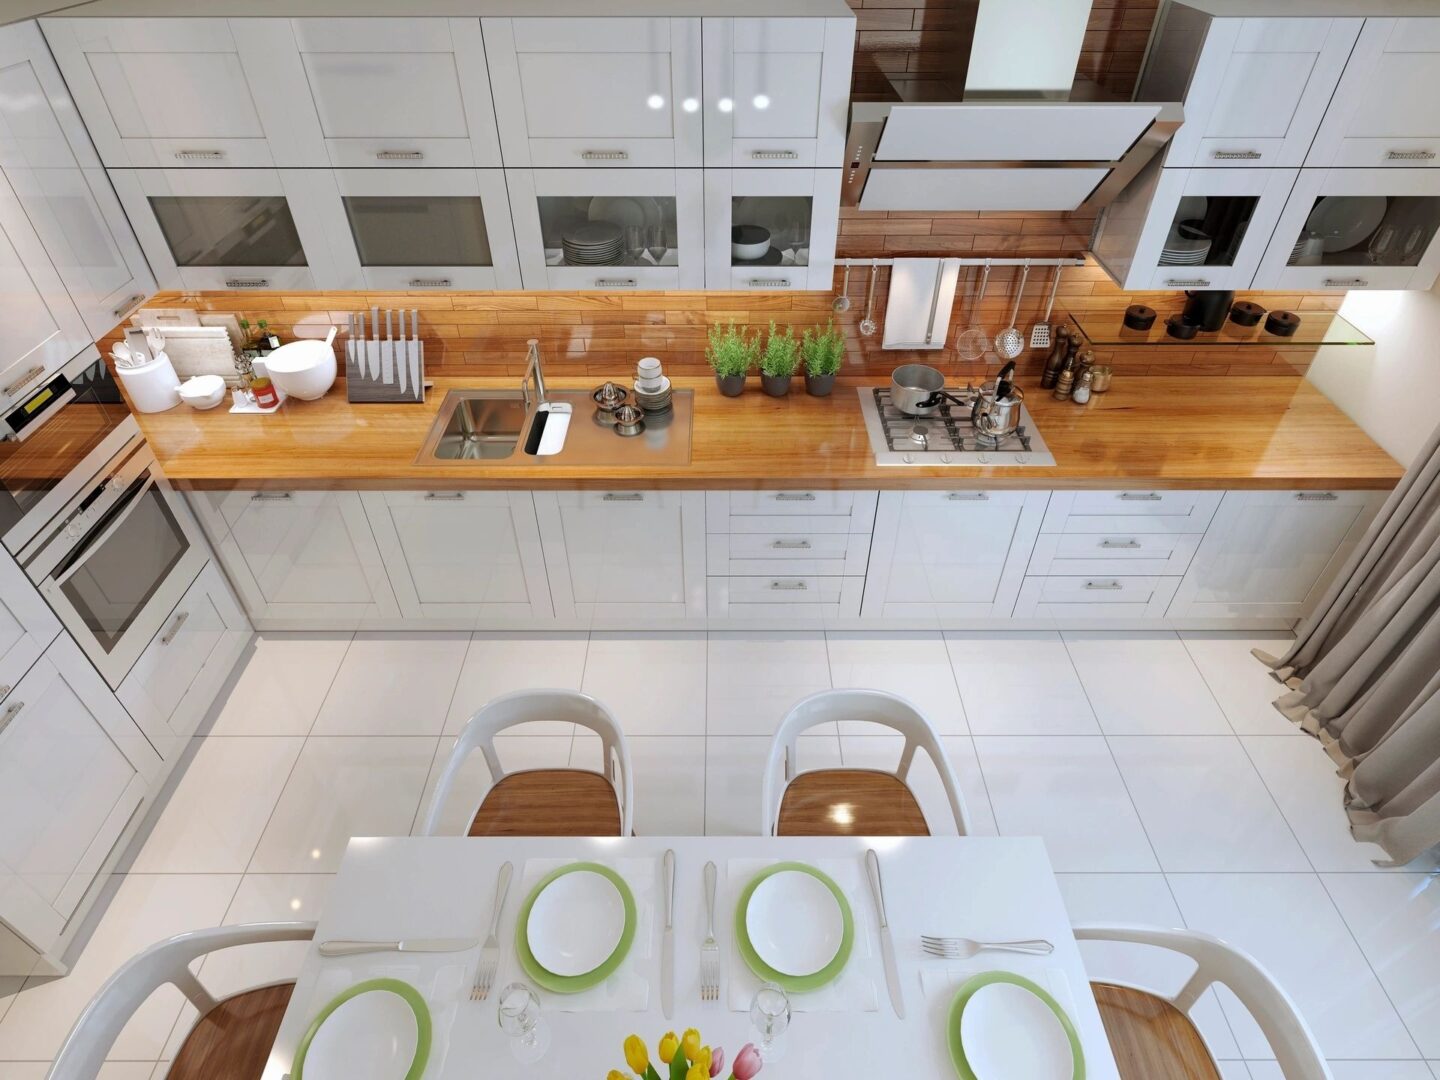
[1167, 790]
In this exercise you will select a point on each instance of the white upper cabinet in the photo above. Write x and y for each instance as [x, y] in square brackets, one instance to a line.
[399, 92]
[186, 92]
[611, 92]
[1257, 90]
[1384, 109]
[777, 91]
[795, 211]
[47, 158]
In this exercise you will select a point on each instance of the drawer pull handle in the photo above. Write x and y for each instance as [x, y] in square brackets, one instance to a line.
[444, 496]
[174, 629]
[623, 496]
[247, 283]
[604, 155]
[24, 380]
[769, 282]
[1316, 496]
[1237, 155]
[1345, 282]
[1410, 155]
[272, 496]
[616, 282]
[1103, 586]
[787, 155]
[400, 155]
[967, 496]
[11, 711]
[1119, 543]
[794, 496]
[791, 545]
[789, 586]
[429, 282]
[1141, 496]
[1188, 283]
[128, 304]
[199, 155]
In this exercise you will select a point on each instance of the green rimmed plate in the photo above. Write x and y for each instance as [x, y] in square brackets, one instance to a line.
[794, 983]
[573, 984]
[405, 992]
[967, 991]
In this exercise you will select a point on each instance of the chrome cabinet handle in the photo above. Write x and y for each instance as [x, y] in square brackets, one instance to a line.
[1237, 155]
[1141, 496]
[780, 155]
[429, 282]
[128, 304]
[770, 282]
[1119, 543]
[1104, 586]
[11, 711]
[247, 283]
[272, 496]
[789, 586]
[199, 155]
[794, 496]
[616, 282]
[623, 496]
[24, 380]
[1345, 282]
[967, 496]
[1187, 283]
[1410, 155]
[444, 496]
[790, 545]
[399, 155]
[180, 620]
[1316, 496]
[605, 155]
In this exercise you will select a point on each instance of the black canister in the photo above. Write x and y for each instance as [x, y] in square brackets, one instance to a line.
[1139, 317]
[1177, 327]
[1207, 308]
[1282, 323]
[1245, 313]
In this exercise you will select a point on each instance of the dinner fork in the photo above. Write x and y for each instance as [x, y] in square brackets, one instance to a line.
[490, 951]
[960, 948]
[709, 948]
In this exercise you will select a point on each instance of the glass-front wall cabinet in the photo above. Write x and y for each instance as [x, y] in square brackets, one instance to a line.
[771, 228]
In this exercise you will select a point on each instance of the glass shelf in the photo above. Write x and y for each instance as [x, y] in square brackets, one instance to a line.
[1316, 328]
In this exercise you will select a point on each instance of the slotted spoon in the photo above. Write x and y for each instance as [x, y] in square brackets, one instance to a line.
[842, 302]
[971, 342]
[1009, 343]
[1040, 332]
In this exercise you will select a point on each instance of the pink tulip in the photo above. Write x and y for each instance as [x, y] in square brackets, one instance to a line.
[747, 1062]
[717, 1060]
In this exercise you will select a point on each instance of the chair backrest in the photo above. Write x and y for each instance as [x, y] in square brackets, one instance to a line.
[524, 706]
[1294, 1045]
[873, 706]
[86, 1047]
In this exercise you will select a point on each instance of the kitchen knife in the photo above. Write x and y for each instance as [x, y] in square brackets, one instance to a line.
[400, 365]
[887, 943]
[667, 943]
[360, 358]
[387, 351]
[372, 346]
[355, 948]
[414, 355]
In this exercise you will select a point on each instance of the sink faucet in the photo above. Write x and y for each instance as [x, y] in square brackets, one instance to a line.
[533, 366]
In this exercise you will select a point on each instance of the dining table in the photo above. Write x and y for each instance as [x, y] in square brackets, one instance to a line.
[983, 888]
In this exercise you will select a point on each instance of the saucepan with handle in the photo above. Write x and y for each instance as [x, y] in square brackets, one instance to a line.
[919, 390]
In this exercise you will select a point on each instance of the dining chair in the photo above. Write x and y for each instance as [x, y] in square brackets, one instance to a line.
[853, 802]
[542, 802]
[1152, 1034]
[230, 1040]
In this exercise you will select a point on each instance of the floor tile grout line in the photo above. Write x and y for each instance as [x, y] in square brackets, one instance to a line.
[1275, 802]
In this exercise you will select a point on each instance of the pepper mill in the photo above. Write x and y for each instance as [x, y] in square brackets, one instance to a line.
[1065, 384]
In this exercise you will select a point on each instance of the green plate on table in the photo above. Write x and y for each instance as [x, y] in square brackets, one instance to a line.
[968, 990]
[794, 983]
[573, 984]
[346, 1048]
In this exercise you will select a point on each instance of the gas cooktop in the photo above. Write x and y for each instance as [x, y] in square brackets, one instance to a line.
[947, 438]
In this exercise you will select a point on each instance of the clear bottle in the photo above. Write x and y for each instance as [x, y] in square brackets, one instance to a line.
[1082, 388]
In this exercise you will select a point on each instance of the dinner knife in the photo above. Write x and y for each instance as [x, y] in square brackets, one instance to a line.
[887, 943]
[354, 948]
[401, 368]
[667, 943]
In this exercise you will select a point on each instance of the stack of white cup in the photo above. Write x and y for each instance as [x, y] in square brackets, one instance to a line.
[652, 387]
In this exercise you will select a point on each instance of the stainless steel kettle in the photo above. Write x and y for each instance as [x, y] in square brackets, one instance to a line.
[996, 411]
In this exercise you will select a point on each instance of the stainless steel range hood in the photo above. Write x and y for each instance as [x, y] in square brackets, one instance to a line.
[1011, 129]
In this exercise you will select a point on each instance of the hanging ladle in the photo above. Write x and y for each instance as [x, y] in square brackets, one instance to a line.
[867, 324]
[842, 302]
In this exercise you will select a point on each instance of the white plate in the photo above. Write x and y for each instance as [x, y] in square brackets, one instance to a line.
[794, 923]
[1009, 1032]
[370, 1037]
[639, 210]
[576, 923]
[1344, 220]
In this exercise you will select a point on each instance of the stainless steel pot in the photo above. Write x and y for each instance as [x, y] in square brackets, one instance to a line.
[996, 417]
[912, 388]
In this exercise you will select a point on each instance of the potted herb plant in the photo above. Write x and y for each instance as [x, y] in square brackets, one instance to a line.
[779, 361]
[823, 352]
[731, 354]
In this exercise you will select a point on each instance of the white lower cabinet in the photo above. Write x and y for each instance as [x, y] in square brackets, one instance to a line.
[624, 555]
[299, 559]
[27, 625]
[950, 554]
[179, 674]
[74, 771]
[1098, 597]
[467, 556]
[1271, 553]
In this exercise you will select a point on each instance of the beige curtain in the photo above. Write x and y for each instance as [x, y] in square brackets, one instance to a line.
[1365, 669]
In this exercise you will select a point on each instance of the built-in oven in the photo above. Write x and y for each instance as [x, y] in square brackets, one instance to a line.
[117, 558]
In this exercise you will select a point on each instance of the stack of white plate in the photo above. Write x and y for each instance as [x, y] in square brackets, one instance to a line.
[652, 387]
[1181, 252]
[593, 243]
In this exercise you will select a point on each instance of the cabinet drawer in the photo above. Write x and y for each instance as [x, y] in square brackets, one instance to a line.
[784, 596]
[788, 502]
[1098, 596]
[787, 552]
[1130, 511]
[587, 500]
[1113, 553]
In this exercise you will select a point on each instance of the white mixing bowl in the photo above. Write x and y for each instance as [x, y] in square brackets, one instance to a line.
[303, 369]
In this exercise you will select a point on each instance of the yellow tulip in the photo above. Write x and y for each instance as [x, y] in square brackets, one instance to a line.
[636, 1056]
[702, 1057]
[614, 1074]
[668, 1045]
[690, 1044]
[698, 1072]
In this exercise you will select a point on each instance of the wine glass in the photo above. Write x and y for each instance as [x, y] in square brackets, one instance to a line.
[635, 242]
[770, 1015]
[655, 239]
[518, 1011]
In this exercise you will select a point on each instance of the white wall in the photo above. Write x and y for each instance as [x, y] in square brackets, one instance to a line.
[1393, 389]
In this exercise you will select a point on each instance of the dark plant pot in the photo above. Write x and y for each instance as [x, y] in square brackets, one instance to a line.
[775, 385]
[819, 385]
[730, 385]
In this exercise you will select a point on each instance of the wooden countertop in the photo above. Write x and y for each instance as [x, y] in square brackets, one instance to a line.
[1154, 432]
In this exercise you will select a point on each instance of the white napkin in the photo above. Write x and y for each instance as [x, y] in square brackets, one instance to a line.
[944, 982]
[854, 990]
[628, 990]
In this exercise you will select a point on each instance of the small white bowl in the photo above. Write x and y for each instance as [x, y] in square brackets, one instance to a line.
[203, 391]
[749, 242]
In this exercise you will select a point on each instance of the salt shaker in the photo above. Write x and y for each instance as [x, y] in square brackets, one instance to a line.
[1082, 389]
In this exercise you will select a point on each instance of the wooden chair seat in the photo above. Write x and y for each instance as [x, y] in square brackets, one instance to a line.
[1151, 1038]
[849, 802]
[549, 802]
[233, 1040]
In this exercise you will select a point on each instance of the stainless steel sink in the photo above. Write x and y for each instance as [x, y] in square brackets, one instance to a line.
[489, 427]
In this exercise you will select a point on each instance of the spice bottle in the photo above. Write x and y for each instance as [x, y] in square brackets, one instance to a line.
[1056, 360]
[264, 392]
[1065, 384]
[1082, 388]
[1083, 363]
